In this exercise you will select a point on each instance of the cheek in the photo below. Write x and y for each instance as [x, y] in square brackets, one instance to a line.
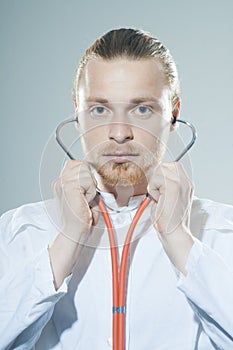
[151, 133]
[93, 138]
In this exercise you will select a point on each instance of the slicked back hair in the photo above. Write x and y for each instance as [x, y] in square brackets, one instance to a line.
[132, 44]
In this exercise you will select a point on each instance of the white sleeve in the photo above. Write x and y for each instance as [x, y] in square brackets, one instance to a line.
[208, 287]
[27, 299]
[27, 296]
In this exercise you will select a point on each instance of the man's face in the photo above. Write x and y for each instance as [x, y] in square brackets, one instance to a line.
[124, 112]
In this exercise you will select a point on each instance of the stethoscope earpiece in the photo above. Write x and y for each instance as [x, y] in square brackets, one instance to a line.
[63, 146]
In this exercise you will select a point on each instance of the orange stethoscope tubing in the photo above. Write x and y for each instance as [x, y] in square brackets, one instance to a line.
[119, 278]
[119, 282]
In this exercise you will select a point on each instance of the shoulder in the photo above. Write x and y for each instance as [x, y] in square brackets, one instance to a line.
[38, 215]
[213, 215]
[212, 223]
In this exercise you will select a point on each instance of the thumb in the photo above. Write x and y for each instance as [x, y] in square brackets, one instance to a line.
[95, 210]
[95, 214]
[154, 192]
[154, 215]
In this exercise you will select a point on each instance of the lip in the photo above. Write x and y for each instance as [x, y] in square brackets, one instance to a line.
[121, 157]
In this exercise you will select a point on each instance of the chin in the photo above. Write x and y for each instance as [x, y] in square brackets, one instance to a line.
[124, 174]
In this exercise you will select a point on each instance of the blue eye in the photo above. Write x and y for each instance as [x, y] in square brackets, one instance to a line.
[99, 110]
[143, 111]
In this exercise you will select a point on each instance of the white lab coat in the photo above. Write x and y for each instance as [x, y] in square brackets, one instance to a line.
[165, 310]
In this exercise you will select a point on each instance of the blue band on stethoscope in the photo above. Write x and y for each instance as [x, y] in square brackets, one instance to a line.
[118, 309]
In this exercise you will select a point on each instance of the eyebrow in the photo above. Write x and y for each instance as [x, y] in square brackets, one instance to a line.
[144, 99]
[134, 100]
[96, 99]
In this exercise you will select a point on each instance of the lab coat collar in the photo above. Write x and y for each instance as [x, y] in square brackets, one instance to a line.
[110, 202]
[205, 214]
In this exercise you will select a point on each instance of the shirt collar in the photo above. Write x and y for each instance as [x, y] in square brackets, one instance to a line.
[110, 202]
[205, 214]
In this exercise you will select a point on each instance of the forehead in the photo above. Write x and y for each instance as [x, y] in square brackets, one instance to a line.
[122, 79]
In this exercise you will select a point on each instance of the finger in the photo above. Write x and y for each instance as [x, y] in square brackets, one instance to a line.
[87, 182]
[80, 177]
[156, 184]
[56, 188]
[95, 214]
[162, 189]
[155, 194]
[71, 163]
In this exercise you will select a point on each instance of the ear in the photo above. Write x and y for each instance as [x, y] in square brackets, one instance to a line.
[176, 114]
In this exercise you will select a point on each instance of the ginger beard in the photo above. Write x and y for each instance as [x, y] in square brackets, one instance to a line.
[126, 173]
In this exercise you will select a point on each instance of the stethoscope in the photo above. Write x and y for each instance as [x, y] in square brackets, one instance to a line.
[119, 276]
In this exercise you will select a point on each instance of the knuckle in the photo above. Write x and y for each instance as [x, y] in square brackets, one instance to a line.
[192, 186]
[70, 164]
[56, 185]
[53, 183]
[91, 183]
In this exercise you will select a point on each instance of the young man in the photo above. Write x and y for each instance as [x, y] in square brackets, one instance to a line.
[57, 282]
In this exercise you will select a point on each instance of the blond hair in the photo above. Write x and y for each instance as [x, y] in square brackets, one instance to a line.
[131, 44]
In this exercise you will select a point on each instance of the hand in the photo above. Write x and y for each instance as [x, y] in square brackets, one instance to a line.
[172, 191]
[74, 192]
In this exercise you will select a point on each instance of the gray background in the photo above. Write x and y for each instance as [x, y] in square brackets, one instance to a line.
[41, 43]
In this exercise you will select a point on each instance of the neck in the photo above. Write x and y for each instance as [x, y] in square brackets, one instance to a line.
[124, 193]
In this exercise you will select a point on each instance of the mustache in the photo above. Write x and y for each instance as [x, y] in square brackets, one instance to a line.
[119, 149]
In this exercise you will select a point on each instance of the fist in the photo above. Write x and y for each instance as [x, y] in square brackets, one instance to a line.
[172, 191]
[74, 192]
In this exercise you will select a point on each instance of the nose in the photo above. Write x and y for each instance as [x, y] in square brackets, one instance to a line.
[120, 132]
